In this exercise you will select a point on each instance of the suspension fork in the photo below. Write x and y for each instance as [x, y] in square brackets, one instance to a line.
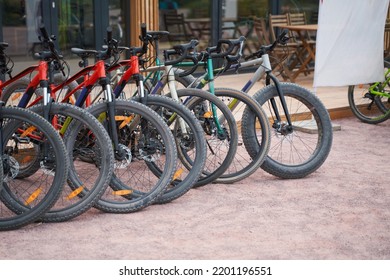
[269, 77]
[46, 77]
[108, 95]
[174, 95]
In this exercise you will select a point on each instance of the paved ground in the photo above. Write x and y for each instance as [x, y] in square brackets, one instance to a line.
[339, 212]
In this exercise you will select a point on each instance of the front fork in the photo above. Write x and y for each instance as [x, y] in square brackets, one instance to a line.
[111, 122]
[278, 124]
[174, 95]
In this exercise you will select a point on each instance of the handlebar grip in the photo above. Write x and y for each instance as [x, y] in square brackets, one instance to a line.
[143, 30]
[182, 51]
[109, 34]
[283, 33]
[43, 30]
[232, 45]
[282, 38]
[3, 45]
[168, 53]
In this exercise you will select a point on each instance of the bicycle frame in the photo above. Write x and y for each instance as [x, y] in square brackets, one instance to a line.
[377, 88]
[133, 72]
[41, 78]
[50, 90]
[264, 68]
[42, 69]
[169, 70]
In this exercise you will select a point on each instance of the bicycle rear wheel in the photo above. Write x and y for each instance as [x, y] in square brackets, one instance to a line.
[243, 164]
[91, 160]
[221, 148]
[299, 151]
[191, 145]
[145, 139]
[368, 107]
[25, 200]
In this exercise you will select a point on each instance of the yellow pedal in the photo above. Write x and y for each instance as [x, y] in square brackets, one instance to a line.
[178, 174]
[28, 131]
[102, 117]
[33, 196]
[16, 96]
[122, 192]
[207, 114]
[125, 120]
[75, 193]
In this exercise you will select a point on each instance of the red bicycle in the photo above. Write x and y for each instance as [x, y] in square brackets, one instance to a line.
[91, 166]
[139, 137]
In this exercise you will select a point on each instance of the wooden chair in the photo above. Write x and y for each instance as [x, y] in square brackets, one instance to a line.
[294, 58]
[260, 29]
[176, 26]
[300, 19]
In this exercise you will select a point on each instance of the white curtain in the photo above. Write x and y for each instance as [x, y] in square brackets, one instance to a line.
[349, 47]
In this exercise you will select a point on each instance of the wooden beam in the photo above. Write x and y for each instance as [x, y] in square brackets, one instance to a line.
[142, 11]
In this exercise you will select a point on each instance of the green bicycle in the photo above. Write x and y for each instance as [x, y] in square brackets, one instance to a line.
[370, 103]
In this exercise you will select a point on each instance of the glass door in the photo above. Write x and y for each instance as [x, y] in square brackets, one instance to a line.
[19, 31]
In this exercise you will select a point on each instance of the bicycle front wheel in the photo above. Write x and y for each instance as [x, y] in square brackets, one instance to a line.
[190, 143]
[297, 151]
[144, 139]
[91, 160]
[28, 137]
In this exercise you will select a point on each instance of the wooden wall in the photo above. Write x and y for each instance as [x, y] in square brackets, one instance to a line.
[142, 11]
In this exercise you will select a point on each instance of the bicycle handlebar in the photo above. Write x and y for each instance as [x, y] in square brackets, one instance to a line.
[232, 45]
[3, 59]
[184, 52]
[282, 40]
[3, 46]
[52, 52]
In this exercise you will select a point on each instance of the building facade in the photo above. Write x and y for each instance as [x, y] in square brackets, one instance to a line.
[83, 23]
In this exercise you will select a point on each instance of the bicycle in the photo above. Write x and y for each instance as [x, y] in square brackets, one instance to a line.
[221, 141]
[83, 135]
[243, 164]
[370, 103]
[140, 138]
[302, 134]
[186, 128]
[25, 137]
